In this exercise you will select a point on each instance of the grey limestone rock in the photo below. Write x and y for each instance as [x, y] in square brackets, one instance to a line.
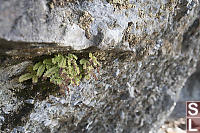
[147, 49]
[80, 24]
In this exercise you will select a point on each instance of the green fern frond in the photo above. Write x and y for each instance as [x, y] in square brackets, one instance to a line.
[47, 62]
[58, 81]
[51, 71]
[34, 79]
[40, 70]
[87, 77]
[72, 56]
[83, 61]
[25, 77]
[37, 65]
[63, 70]
[62, 63]
[48, 67]
[75, 57]
[90, 55]
[57, 59]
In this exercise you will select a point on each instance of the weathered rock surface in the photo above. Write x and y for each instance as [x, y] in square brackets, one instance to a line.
[155, 48]
[80, 24]
[190, 92]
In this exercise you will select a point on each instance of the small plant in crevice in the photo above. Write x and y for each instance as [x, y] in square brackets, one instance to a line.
[63, 70]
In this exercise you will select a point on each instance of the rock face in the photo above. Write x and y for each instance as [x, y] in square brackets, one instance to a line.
[80, 24]
[148, 49]
[190, 92]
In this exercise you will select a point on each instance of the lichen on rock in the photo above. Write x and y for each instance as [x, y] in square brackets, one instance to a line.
[97, 22]
[147, 52]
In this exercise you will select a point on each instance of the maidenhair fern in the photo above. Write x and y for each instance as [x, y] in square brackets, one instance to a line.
[63, 70]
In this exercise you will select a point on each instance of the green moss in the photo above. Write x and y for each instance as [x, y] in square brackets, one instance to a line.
[62, 70]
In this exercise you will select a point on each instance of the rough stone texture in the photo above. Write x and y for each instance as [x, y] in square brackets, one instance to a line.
[8, 101]
[80, 24]
[190, 92]
[155, 48]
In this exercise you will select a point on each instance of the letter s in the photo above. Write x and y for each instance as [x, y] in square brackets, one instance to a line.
[193, 108]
